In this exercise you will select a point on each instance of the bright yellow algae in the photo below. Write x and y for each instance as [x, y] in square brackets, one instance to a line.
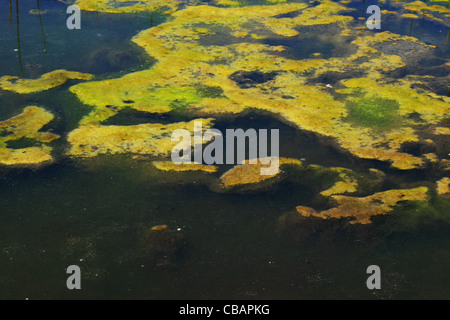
[45, 82]
[322, 14]
[183, 62]
[361, 209]
[442, 131]
[145, 139]
[216, 106]
[26, 126]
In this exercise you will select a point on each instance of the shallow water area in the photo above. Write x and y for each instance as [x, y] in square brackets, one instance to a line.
[140, 232]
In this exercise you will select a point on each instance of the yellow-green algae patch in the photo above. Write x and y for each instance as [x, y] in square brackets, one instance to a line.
[170, 166]
[25, 156]
[146, 139]
[186, 61]
[139, 95]
[26, 126]
[419, 6]
[361, 209]
[432, 109]
[443, 186]
[433, 12]
[442, 131]
[45, 82]
[329, 181]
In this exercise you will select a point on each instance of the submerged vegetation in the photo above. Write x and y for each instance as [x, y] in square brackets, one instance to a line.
[374, 112]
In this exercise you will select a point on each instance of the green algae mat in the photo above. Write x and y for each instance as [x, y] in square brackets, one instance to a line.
[87, 168]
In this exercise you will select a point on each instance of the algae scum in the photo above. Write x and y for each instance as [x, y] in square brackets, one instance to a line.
[86, 120]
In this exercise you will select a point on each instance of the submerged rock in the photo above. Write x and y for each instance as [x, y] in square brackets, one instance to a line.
[443, 186]
[26, 125]
[109, 60]
[162, 247]
[145, 139]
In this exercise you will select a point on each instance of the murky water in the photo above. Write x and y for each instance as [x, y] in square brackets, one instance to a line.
[95, 213]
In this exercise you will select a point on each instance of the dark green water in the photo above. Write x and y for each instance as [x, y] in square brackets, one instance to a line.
[95, 213]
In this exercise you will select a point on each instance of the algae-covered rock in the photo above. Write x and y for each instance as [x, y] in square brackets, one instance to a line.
[443, 186]
[362, 209]
[250, 177]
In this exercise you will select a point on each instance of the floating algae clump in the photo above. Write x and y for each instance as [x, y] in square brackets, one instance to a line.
[346, 184]
[362, 209]
[170, 166]
[419, 6]
[443, 186]
[139, 96]
[45, 82]
[442, 131]
[147, 139]
[26, 126]
[373, 111]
